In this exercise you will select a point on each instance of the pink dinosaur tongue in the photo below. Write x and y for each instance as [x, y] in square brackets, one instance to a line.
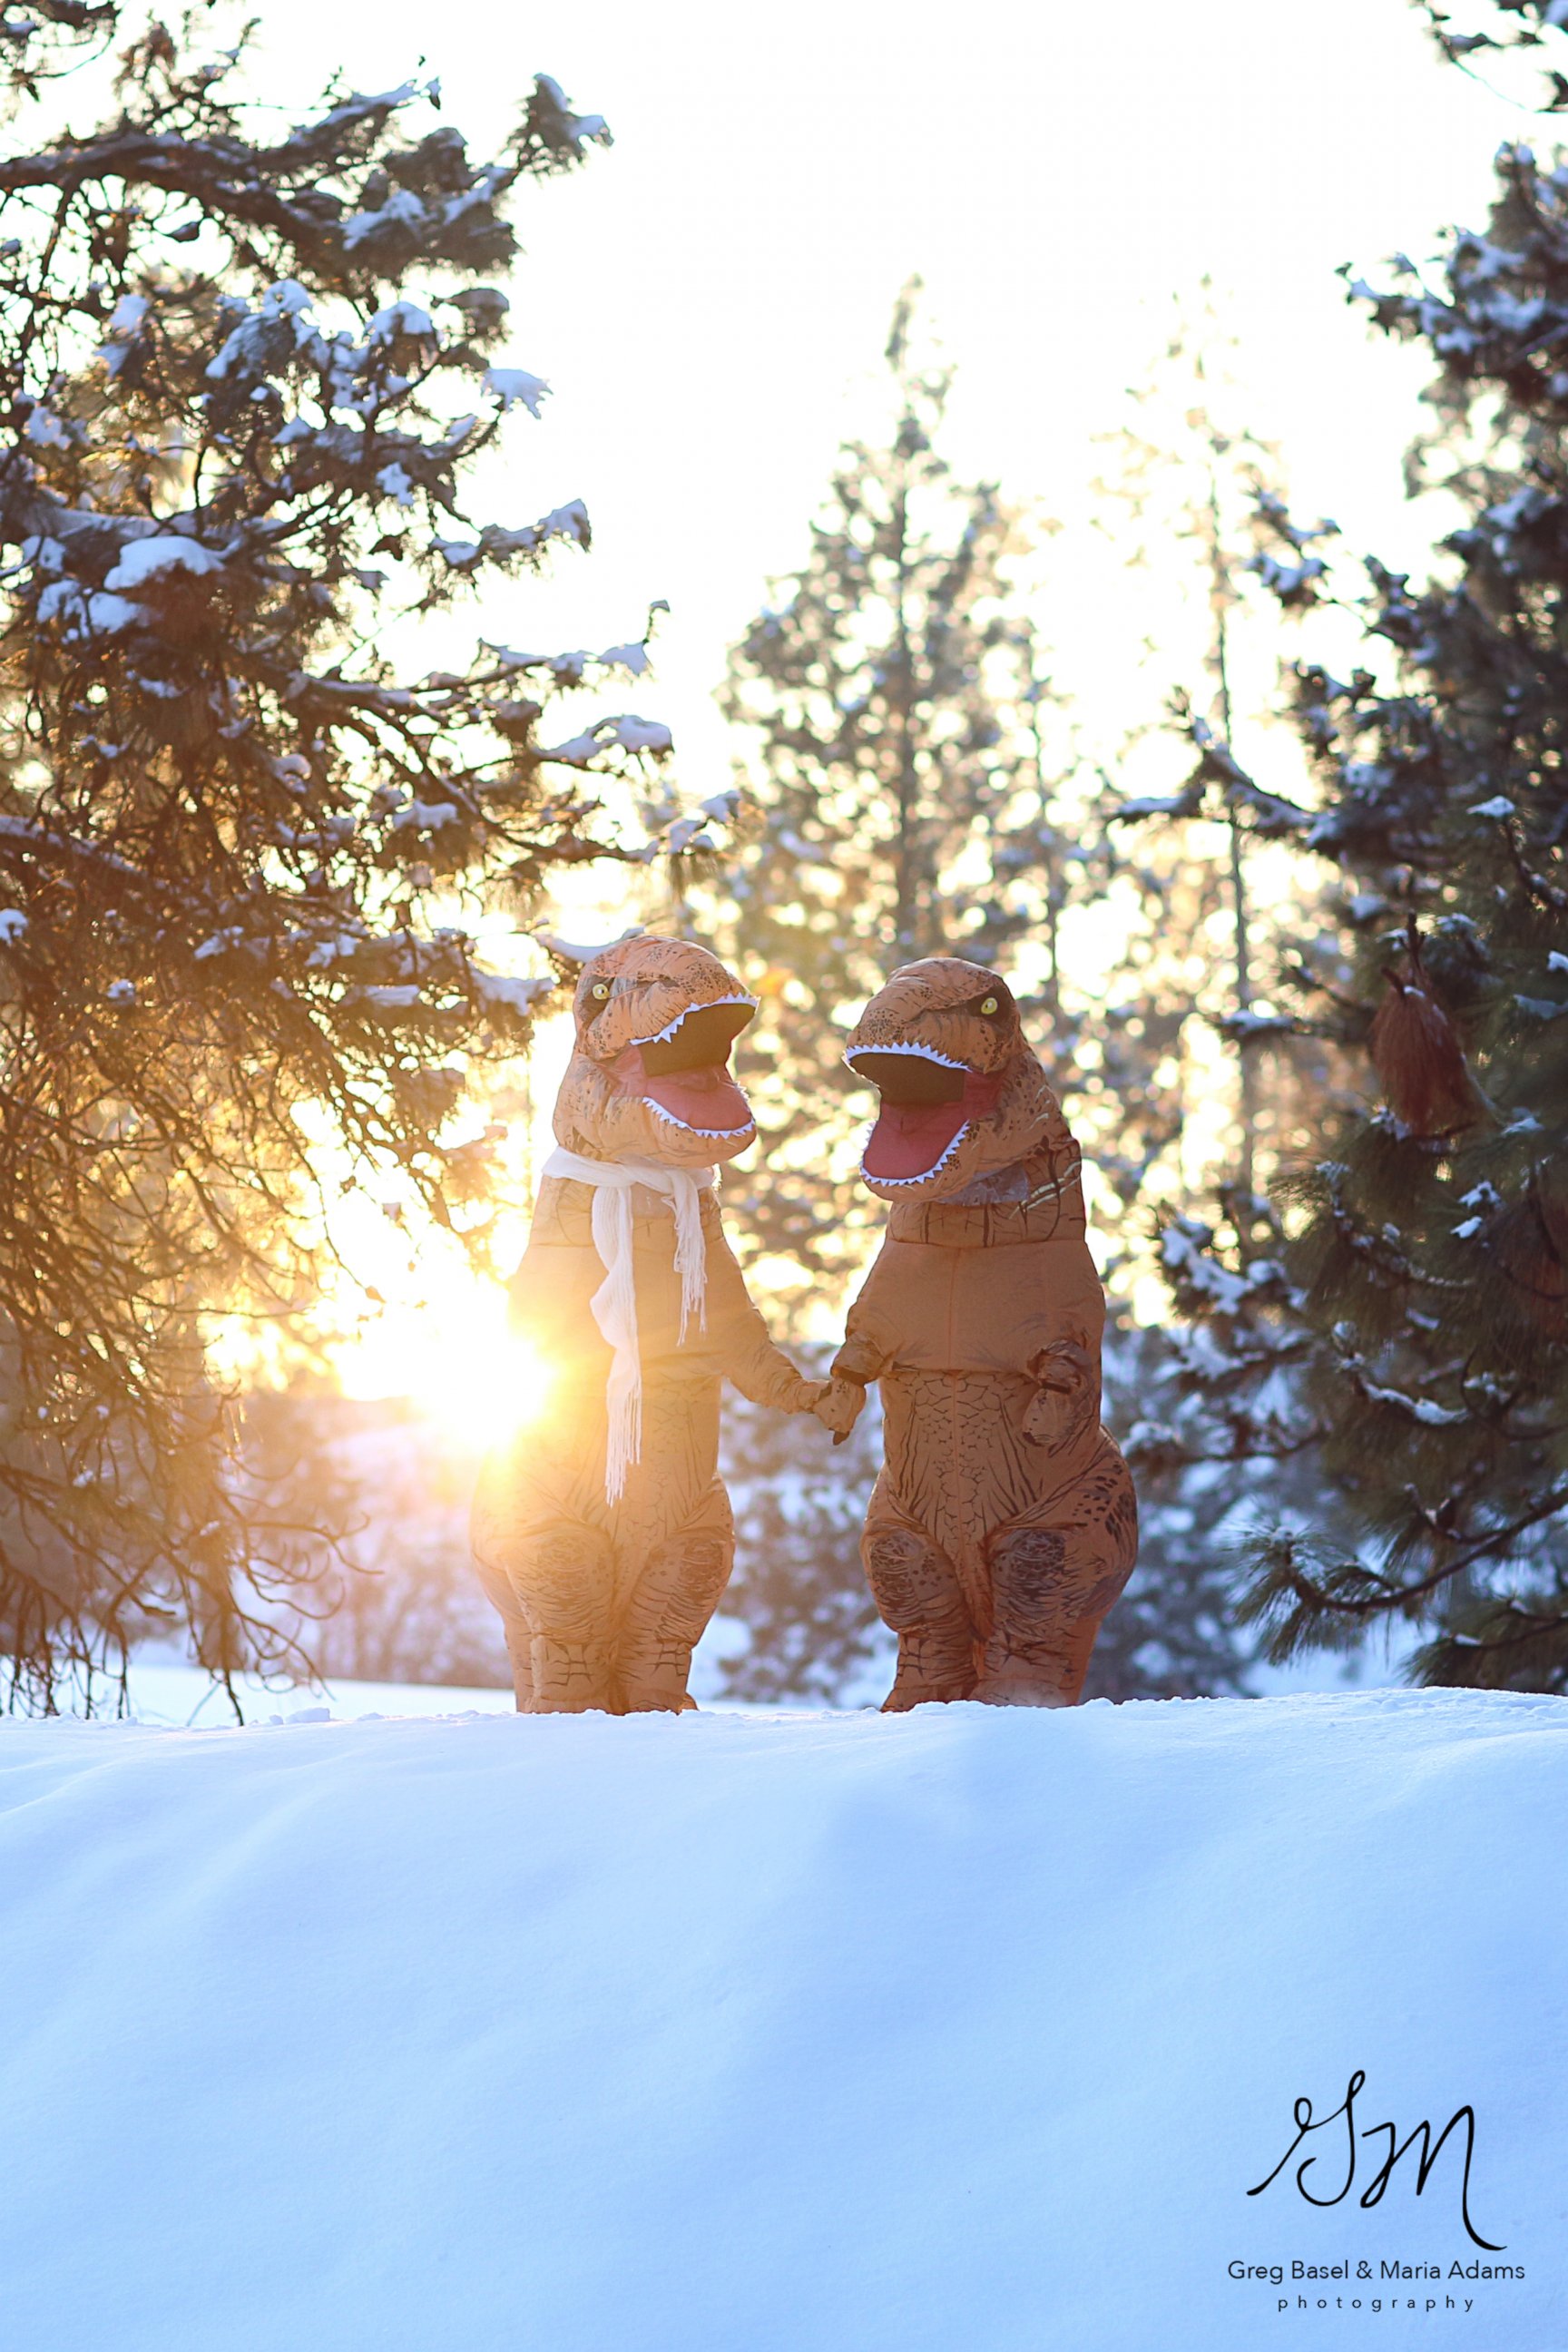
[707, 1098]
[908, 1139]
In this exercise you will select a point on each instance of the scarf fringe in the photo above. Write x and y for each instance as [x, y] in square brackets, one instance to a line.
[614, 1303]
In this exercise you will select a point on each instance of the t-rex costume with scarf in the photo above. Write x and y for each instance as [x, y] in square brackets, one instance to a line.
[1003, 1523]
[603, 1534]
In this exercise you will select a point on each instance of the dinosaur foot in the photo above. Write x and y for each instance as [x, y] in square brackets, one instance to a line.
[907, 1693]
[1020, 1690]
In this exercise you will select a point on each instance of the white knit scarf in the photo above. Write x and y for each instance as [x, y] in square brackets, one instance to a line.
[614, 1303]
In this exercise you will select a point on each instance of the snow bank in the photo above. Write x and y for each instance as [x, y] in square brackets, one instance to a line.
[180, 1697]
[961, 2028]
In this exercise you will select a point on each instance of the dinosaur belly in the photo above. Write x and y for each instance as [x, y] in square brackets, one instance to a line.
[959, 1466]
[928, 1306]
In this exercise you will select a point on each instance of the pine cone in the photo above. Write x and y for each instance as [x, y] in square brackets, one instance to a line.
[1419, 1059]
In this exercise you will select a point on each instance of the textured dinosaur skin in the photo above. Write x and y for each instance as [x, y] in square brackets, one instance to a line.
[604, 1602]
[1003, 1523]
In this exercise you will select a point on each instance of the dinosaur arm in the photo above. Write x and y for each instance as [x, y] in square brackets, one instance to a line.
[1065, 1401]
[758, 1369]
[871, 1330]
[865, 1356]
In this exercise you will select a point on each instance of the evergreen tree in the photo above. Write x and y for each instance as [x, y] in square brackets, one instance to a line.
[246, 373]
[1173, 1632]
[1408, 1331]
[1220, 895]
[922, 789]
[898, 774]
[811, 1626]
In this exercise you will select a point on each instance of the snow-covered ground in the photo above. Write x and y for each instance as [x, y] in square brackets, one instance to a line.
[163, 1692]
[162, 1689]
[736, 2034]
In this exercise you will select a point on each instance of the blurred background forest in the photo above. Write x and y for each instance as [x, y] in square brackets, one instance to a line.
[1027, 513]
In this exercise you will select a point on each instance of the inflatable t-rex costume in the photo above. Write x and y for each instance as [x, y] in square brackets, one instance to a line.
[603, 1535]
[1003, 1523]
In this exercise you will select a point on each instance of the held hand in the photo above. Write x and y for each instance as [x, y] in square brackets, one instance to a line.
[839, 1407]
[804, 1396]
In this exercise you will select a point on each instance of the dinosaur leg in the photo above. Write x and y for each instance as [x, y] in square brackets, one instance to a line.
[498, 1592]
[671, 1605]
[1037, 1655]
[919, 1596]
[1052, 1585]
[563, 1577]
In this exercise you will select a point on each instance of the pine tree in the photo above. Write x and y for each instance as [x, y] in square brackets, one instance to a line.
[811, 1626]
[1414, 1310]
[1172, 1633]
[1218, 899]
[246, 373]
[923, 788]
[897, 768]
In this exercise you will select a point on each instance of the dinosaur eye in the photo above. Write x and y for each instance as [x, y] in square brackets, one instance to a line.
[990, 1004]
[599, 991]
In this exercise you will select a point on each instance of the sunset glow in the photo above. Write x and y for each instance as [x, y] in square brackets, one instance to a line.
[456, 1357]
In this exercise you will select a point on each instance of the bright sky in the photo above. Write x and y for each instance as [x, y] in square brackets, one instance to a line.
[709, 297]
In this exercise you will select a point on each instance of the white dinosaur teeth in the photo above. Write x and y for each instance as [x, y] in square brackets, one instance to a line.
[715, 1133]
[663, 1036]
[920, 1053]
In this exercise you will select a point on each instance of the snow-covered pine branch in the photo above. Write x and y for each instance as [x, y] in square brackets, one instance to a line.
[248, 379]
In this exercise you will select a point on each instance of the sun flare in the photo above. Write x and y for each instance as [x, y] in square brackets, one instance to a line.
[485, 1393]
[458, 1361]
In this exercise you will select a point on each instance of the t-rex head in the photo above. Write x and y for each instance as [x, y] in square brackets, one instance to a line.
[962, 1093]
[650, 1078]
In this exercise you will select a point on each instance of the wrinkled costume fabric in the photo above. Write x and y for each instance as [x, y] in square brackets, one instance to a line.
[603, 1533]
[1003, 1523]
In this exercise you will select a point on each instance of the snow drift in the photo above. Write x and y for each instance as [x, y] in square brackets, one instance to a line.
[965, 2028]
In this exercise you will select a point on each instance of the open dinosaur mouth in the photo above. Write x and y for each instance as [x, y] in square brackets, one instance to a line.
[929, 1104]
[683, 1074]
